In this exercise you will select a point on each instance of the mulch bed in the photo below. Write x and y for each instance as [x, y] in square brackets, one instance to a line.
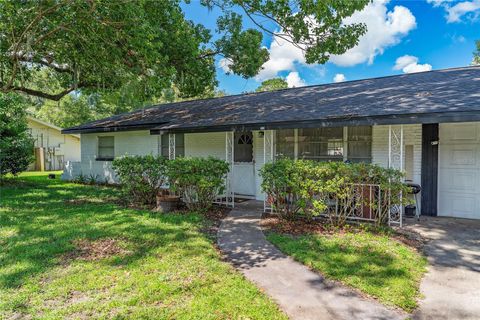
[299, 227]
[214, 218]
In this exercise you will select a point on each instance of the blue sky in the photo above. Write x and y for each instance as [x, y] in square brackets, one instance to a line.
[403, 36]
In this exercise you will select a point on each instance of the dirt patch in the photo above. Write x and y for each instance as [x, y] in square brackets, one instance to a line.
[410, 238]
[90, 250]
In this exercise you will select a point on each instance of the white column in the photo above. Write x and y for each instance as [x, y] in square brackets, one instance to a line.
[171, 146]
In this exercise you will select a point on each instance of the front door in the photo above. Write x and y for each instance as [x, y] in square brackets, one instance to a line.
[244, 167]
[459, 170]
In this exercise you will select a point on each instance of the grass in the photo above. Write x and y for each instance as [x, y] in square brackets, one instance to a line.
[165, 268]
[373, 263]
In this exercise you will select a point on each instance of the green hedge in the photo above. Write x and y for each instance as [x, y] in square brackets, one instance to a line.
[309, 188]
[141, 177]
[197, 180]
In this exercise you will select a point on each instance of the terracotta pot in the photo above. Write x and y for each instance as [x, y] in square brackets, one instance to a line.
[167, 203]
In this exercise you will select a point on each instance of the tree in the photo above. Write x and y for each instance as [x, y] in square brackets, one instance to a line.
[272, 84]
[16, 144]
[476, 54]
[144, 47]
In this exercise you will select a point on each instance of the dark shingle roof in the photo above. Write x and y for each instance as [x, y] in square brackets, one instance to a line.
[417, 96]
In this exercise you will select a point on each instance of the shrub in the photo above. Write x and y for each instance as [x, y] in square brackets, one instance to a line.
[197, 180]
[141, 177]
[16, 143]
[331, 189]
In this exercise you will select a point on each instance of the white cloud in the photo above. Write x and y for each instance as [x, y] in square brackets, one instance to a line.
[409, 64]
[293, 79]
[456, 12]
[384, 29]
[225, 64]
[339, 77]
[283, 56]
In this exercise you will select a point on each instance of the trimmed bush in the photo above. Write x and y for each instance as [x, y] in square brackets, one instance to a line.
[330, 189]
[197, 180]
[141, 177]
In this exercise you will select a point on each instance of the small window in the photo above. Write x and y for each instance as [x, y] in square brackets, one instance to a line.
[179, 145]
[243, 150]
[106, 148]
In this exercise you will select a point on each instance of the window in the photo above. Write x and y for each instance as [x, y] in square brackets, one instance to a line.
[106, 148]
[285, 143]
[359, 143]
[243, 149]
[322, 144]
[179, 145]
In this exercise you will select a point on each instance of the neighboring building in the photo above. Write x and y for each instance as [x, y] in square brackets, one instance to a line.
[427, 124]
[52, 148]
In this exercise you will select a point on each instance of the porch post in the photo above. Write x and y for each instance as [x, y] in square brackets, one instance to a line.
[395, 161]
[268, 156]
[229, 158]
[171, 146]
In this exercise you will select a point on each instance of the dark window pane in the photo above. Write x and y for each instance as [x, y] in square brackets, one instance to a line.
[179, 145]
[243, 147]
[360, 144]
[321, 144]
[106, 147]
[285, 143]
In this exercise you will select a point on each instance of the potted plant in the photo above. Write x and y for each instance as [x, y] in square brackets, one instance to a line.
[166, 202]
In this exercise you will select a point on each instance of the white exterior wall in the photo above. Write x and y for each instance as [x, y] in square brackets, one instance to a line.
[412, 135]
[125, 143]
[48, 136]
[213, 144]
[205, 145]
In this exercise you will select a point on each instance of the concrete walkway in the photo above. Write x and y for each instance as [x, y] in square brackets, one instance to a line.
[301, 293]
[452, 285]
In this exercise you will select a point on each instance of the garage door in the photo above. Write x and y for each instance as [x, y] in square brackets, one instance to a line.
[459, 170]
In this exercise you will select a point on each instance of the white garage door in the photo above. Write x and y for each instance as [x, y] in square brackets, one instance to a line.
[459, 170]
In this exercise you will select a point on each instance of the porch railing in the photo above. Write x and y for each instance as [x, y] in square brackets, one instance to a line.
[360, 203]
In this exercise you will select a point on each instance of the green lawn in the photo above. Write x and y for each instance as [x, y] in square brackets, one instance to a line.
[160, 266]
[372, 263]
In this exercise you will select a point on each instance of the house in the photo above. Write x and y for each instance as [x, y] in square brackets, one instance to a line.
[427, 124]
[52, 148]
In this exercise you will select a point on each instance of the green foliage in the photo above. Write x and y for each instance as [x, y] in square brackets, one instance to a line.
[376, 264]
[136, 49]
[141, 177]
[16, 143]
[272, 84]
[476, 54]
[330, 188]
[197, 180]
[165, 268]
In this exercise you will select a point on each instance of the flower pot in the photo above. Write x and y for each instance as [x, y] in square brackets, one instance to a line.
[167, 203]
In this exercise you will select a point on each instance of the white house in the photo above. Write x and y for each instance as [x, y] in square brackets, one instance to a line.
[427, 124]
[52, 148]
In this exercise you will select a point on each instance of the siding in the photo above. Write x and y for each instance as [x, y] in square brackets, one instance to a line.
[131, 143]
[213, 144]
[412, 135]
[205, 145]
[67, 146]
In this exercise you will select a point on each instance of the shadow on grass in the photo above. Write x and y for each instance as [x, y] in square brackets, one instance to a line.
[38, 226]
[383, 269]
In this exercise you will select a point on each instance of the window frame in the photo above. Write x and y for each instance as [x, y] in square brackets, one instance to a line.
[101, 157]
[343, 144]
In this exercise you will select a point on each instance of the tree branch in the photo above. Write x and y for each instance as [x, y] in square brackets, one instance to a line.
[42, 94]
